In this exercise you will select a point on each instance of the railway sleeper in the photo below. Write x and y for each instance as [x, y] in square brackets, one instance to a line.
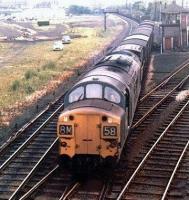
[175, 193]
[17, 172]
[168, 143]
[43, 141]
[142, 196]
[13, 177]
[165, 153]
[154, 182]
[163, 150]
[8, 188]
[155, 175]
[33, 150]
[157, 169]
[32, 155]
[184, 134]
[157, 159]
[5, 195]
[164, 145]
[20, 166]
[146, 188]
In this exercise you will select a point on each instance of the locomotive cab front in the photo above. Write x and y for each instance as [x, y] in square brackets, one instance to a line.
[92, 122]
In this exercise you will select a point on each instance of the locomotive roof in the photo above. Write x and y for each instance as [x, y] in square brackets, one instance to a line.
[119, 72]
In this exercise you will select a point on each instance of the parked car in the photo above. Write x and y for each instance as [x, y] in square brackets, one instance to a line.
[58, 46]
[66, 39]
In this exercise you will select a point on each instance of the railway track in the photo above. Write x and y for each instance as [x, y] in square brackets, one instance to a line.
[92, 189]
[114, 187]
[169, 94]
[59, 184]
[170, 75]
[54, 185]
[155, 107]
[150, 101]
[27, 159]
[155, 173]
[24, 153]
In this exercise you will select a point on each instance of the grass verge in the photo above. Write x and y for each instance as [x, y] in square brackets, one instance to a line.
[40, 70]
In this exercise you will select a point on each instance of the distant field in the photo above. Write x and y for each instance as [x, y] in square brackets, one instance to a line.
[37, 69]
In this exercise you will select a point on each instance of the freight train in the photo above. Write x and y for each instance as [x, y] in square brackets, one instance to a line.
[99, 108]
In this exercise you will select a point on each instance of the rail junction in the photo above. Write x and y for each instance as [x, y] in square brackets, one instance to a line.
[156, 170]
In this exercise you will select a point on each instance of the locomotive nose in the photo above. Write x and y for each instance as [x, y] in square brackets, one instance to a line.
[88, 133]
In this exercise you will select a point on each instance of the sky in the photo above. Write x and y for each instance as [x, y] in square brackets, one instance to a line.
[89, 3]
[104, 2]
[92, 3]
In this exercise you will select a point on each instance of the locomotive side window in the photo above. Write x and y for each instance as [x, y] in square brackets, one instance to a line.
[94, 91]
[76, 95]
[111, 95]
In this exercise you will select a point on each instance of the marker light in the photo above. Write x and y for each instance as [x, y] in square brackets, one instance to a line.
[110, 120]
[65, 118]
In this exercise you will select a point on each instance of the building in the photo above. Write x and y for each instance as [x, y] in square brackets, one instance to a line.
[175, 27]
[13, 3]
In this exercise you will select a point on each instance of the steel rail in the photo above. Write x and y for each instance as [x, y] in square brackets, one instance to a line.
[33, 170]
[158, 103]
[150, 151]
[64, 193]
[174, 171]
[37, 185]
[180, 68]
[104, 190]
[28, 140]
[70, 192]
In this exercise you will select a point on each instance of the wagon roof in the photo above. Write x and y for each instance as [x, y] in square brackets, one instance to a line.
[139, 36]
[136, 41]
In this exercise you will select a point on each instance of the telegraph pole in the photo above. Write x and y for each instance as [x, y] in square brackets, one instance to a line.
[160, 8]
[155, 11]
[105, 21]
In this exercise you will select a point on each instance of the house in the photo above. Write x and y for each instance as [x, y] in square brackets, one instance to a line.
[175, 27]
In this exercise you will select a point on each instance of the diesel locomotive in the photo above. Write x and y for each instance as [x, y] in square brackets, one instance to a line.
[99, 108]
